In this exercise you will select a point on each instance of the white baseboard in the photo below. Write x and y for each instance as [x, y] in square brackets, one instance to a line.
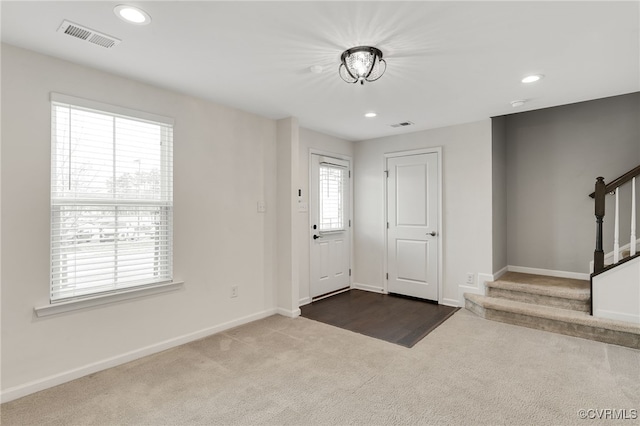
[501, 272]
[367, 287]
[450, 302]
[483, 278]
[464, 289]
[326, 296]
[478, 287]
[304, 301]
[19, 391]
[619, 316]
[288, 313]
[549, 272]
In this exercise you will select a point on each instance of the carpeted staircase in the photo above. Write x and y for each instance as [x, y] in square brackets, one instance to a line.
[559, 305]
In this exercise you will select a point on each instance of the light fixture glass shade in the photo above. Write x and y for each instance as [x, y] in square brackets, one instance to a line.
[362, 63]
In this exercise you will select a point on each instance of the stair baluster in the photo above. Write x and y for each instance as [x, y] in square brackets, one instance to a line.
[599, 195]
[633, 218]
[616, 229]
[598, 254]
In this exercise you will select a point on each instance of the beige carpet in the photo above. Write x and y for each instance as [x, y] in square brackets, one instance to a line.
[279, 371]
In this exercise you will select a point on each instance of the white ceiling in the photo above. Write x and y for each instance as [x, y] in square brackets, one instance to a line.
[447, 62]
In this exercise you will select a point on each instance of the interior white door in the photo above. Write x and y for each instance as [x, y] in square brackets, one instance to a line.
[412, 227]
[330, 225]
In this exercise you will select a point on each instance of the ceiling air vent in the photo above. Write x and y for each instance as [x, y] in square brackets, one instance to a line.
[403, 124]
[87, 34]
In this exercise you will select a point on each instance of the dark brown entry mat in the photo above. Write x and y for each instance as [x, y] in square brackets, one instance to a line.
[395, 319]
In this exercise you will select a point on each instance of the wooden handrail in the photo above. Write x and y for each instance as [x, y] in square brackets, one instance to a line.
[599, 195]
[622, 262]
[611, 186]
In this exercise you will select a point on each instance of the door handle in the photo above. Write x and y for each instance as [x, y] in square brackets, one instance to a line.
[432, 233]
[315, 237]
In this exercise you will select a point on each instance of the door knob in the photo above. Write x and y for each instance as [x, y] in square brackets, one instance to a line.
[315, 237]
[432, 233]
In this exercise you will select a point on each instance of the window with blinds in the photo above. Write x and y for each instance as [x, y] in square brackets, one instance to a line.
[332, 184]
[111, 198]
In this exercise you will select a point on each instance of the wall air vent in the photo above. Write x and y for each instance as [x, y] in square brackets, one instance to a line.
[403, 124]
[87, 34]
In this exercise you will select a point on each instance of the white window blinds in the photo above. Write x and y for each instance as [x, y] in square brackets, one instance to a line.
[111, 198]
[332, 184]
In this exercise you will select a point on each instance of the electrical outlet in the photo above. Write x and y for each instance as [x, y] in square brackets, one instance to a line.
[234, 291]
[470, 278]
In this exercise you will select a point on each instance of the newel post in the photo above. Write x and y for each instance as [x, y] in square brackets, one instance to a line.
[598, 254]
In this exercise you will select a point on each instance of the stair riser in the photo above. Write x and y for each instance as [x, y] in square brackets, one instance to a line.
[475, 308]
[598, 334]
[537, 299]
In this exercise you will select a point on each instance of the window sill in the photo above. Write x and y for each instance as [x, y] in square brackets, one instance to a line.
[105, 299]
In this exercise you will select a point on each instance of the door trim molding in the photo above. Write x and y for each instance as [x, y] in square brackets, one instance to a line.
[388, 155]
[314, 151]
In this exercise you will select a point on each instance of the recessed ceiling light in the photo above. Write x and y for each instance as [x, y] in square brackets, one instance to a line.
[316, 69]
[370, 114]
[518, 103]
[132, 15]
[532, 78]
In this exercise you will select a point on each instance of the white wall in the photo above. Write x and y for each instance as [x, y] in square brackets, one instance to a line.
[224, 162]
[616, 293]
[287, 142]
[467, 186]
[312, 140]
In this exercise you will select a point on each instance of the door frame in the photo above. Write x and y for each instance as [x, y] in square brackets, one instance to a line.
[436, 150]
[314, 151]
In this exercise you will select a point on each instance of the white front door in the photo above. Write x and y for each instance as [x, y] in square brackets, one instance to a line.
[330, 225]
[412, 234]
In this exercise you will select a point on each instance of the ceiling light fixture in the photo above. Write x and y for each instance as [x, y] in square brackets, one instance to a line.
[360, 64]
[532, 78]
[518, 103]
[132, 15]
[370, 114]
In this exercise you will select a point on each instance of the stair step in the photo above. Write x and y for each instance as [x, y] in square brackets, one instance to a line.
[563, 321]
[568, 288]
[556, 292]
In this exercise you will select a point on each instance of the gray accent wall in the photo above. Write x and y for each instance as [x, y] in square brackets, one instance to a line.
[499, 192]
[553, 158]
